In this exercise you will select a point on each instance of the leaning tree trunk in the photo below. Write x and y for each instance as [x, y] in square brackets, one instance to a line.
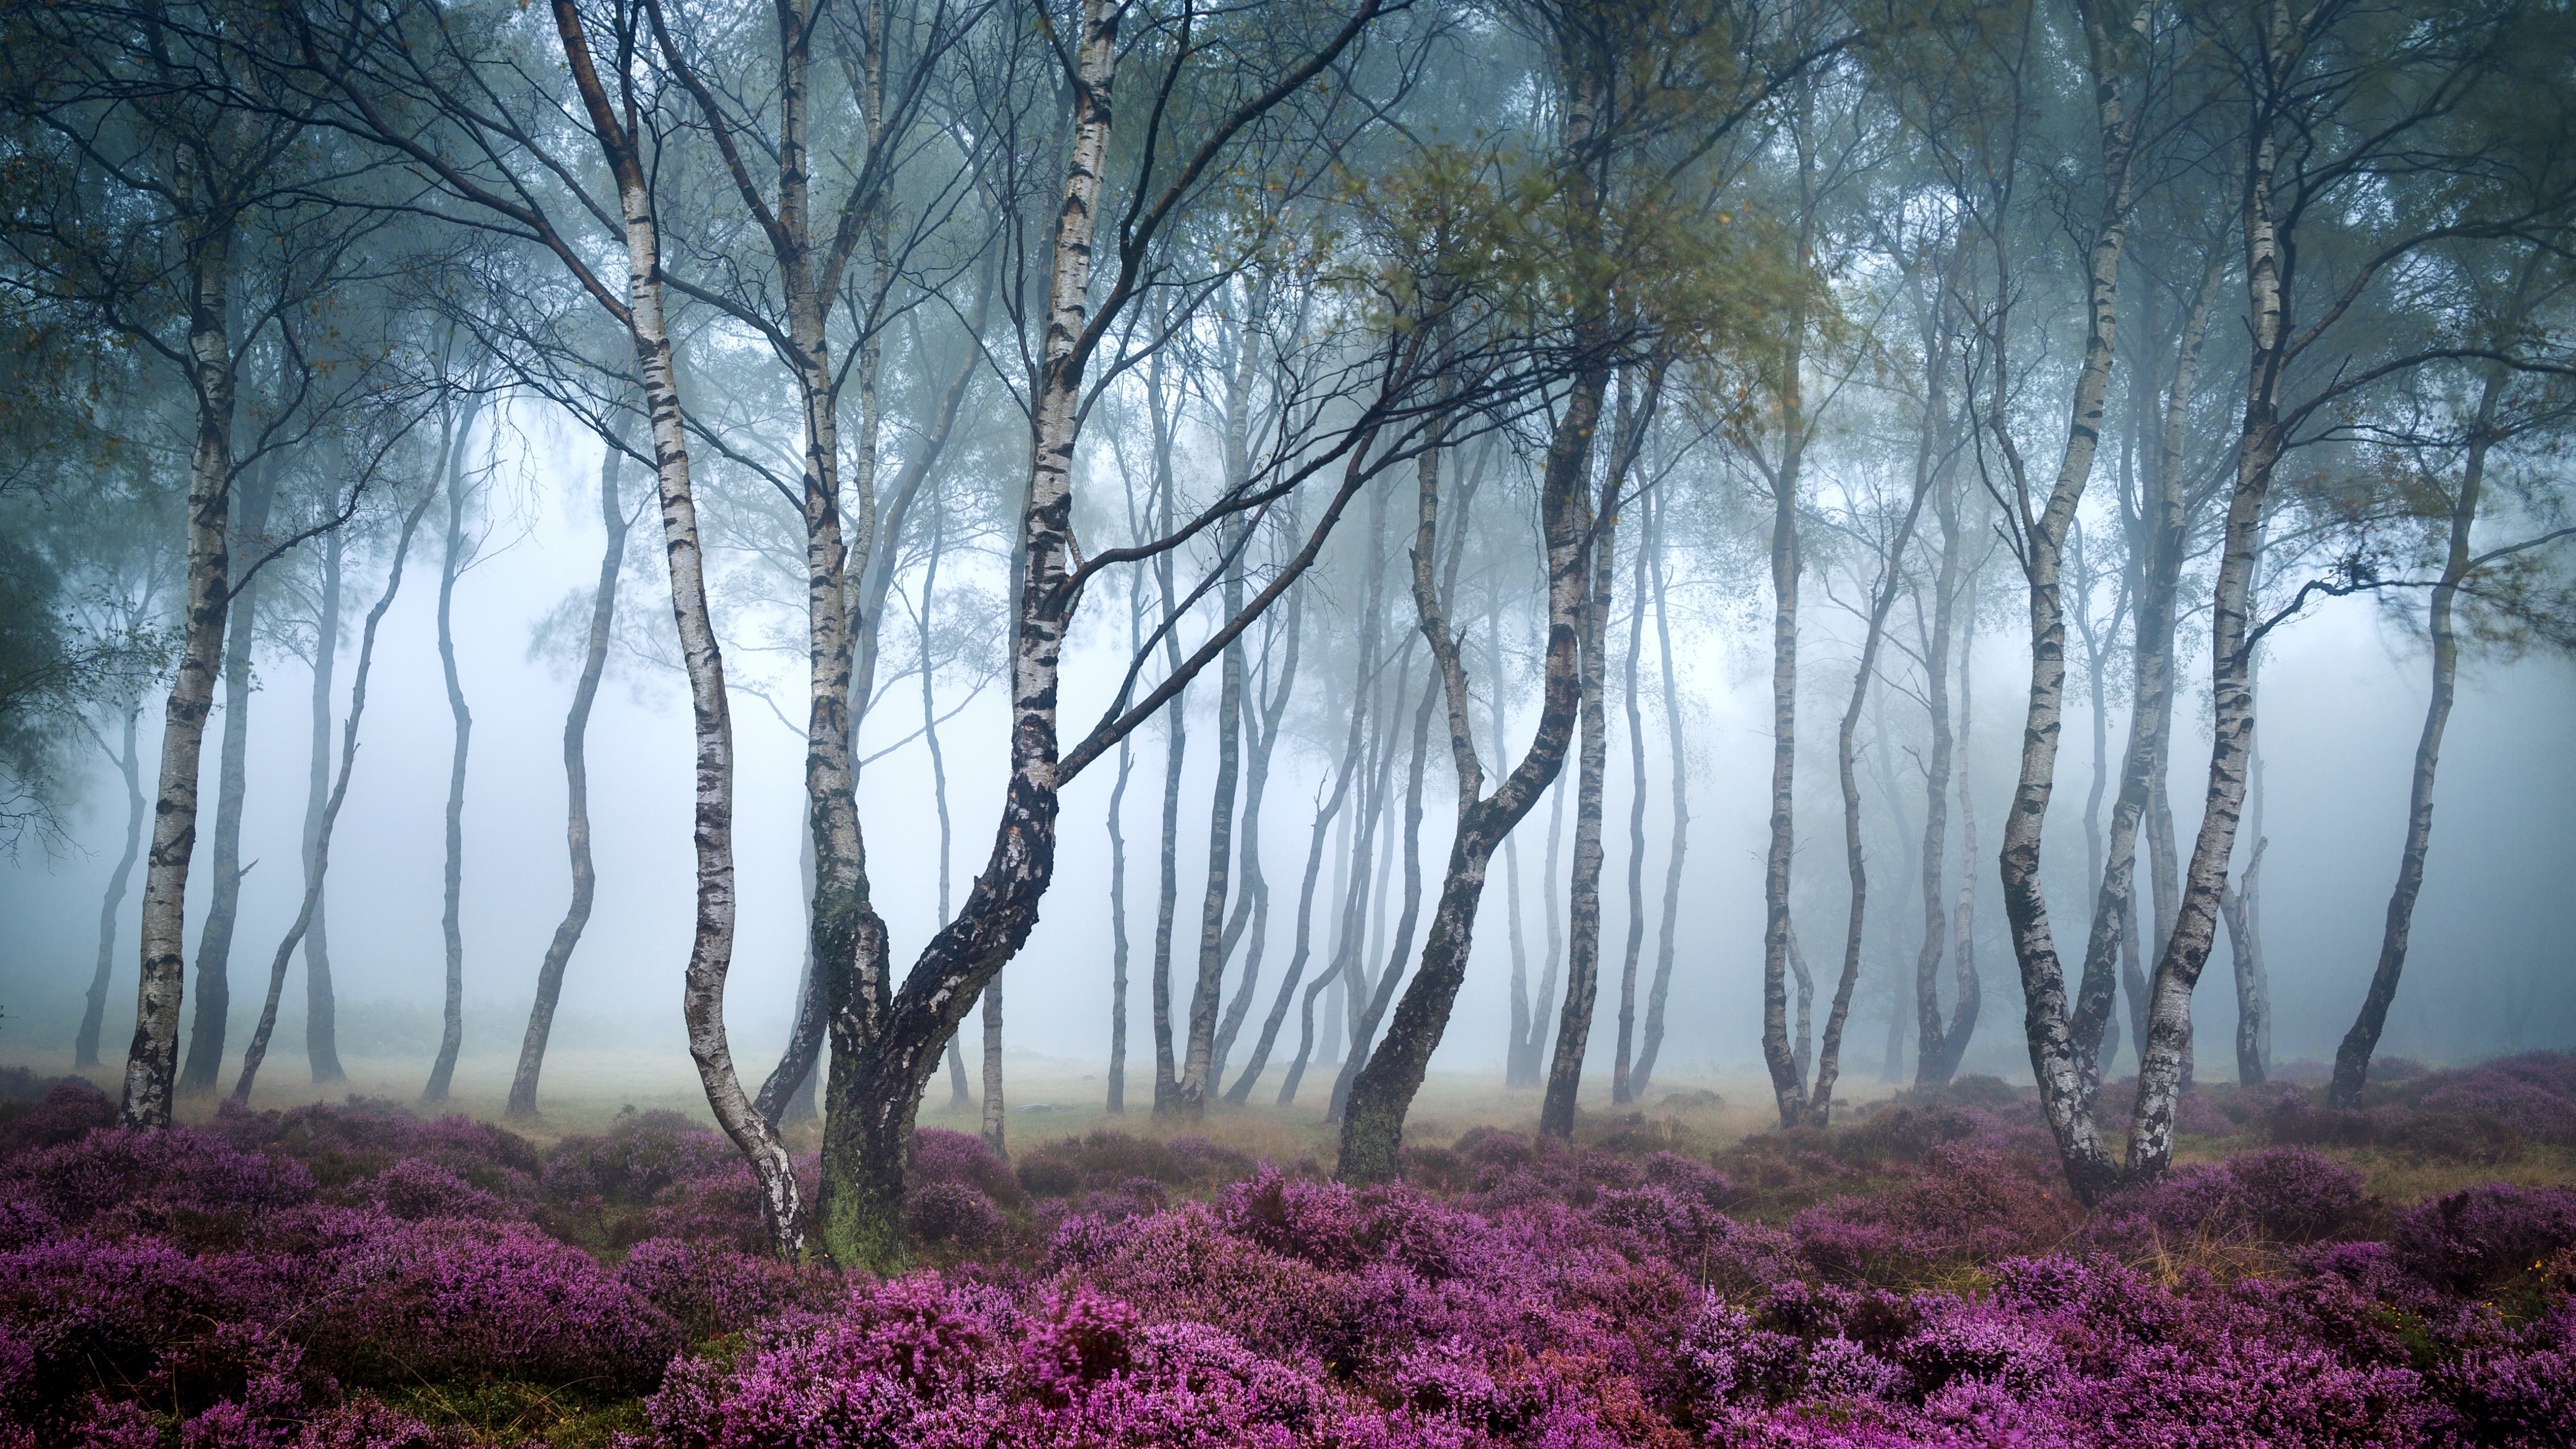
[1256, 886]
[310, 909]
[958, 1095]
[1583, 901]
[1190, 1093]
[711, 944]
[1820, 1097]
[2186, 950]
[1635, 946]
[1382, 991]
[886, 1042]
[205, 1059]
[1382, 1093]
[1788, 1072]
[1117, 1102]
[1325, 816]
[2242, 909]
[2063, 1038]
[129, 764]
[2140, 802]
[1932, 1061]
[321, 1015]
[1515, 1050]
[451, 922]
[576, 731]
[152, 1061]
[1652, 1044]
[1167, 1079]
[2352, 1057]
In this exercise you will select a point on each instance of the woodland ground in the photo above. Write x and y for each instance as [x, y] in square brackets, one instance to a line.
[359, 1273]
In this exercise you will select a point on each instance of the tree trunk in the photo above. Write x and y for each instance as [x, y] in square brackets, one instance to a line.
[2240, 907]
[321, 1016]
[1207, 992]
[310, 909]
[129, 764]
[1383, 1091]
[451, 922]
[1933, 1063]
[711, 944]
[2352, 1056]
[151, 1062]
[1117, 1100]
[1820, 1099]
[996, 1119]
[1583, 902]
[2186, 949]
[2062, 1054]
[1518, 1070]
[585, 880]
[958, 1095]
[1382, 991]
[1635, 946]
[1542, 1006]
[1167, 1082]
[1325, 816]
[205, 1059]
[1788, 1070]
[886, 1042]
[1665, 938]
[1256, 887]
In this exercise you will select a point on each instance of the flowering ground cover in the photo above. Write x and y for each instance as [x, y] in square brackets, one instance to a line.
[348, 1276]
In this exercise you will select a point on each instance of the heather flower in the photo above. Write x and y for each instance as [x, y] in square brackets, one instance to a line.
[2484, 1235]
[951, 1213]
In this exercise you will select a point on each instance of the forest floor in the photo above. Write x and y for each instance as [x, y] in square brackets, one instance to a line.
[358, 1273]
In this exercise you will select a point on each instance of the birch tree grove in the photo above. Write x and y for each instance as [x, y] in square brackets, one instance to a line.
[1687, 416]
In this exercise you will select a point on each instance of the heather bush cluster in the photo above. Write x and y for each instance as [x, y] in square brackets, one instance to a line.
[329, 1276]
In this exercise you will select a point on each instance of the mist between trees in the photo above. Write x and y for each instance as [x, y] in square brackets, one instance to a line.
[1588, 545]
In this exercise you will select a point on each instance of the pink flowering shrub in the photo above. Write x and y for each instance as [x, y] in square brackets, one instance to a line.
[1919, 1277]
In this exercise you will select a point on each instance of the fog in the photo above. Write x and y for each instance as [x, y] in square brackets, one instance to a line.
[2343, 692]
[1476, 542]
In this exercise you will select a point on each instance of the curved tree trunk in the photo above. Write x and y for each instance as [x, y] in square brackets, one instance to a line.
[205, 1059]
[585, 879]
[94, 1006]
[1665, 940]
[1382, 991]
[2352, 1056]
[1820, 1098]
[1932, 1062]
[152, 1059]
[1635, 946]
[711, 724]
[321, 1015]
[307, 912]
[2063, 1040]
[1583, 902]
[451, 920]
[2161, 1068]
[1382, 1093]
[1256, 887]
[1325, 815]
[1785, 1061]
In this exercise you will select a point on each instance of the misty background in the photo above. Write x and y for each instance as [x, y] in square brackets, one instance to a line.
[2492, 968]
